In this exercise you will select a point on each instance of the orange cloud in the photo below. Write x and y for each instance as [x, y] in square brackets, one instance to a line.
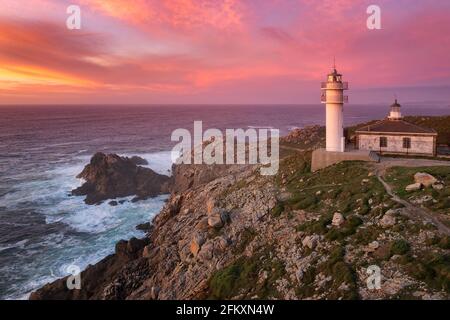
[183, 14]
[181, 48]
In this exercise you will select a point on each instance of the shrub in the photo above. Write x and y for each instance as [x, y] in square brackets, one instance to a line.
[434, 269]
[319, 227]
[399, 247]
[226, 283]
[241, 277]
[348, 228]
[278, 209]
[444, 243]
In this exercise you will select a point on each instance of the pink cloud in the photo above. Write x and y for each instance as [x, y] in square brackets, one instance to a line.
[184, 48]
[183, 14]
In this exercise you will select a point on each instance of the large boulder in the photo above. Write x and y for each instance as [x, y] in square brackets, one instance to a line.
[338, 219]
[310, 241]
[413, 187]
[196, 243]
[388, 219]
[437, 186]
[111, 176]
[217, 217]
[425, 179]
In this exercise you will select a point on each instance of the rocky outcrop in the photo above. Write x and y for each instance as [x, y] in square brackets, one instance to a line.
[413, 187]
[305, 137]
[226, 224]
[113, 278]
[388, 219]
[338, 219]
[425, 179]
[139, 161]
[111, 176]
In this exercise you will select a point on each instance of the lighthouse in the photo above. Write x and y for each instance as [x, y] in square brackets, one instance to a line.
[334, 99]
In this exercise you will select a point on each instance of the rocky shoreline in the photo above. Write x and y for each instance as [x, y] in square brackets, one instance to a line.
[111, 176]
[227, 232]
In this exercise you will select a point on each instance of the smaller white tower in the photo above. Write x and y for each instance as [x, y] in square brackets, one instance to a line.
[334, 98]
[395, 113]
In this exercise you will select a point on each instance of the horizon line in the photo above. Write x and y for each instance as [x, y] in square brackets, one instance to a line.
[204, 104]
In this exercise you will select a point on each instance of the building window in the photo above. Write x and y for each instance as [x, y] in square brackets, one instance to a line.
[383, 142]
[407, 143]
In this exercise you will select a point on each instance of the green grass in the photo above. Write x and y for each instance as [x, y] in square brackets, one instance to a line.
[340, 185]
[433, 269]
[318, 227]
[346, 187]
[400, 177]
[241, 278]
[348, 228]
[367, 235]
[340, 273]
[246, 236]
[399, 247]
[278, 209]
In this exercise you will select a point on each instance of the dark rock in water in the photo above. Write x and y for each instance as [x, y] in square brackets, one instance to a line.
[122, 201]
[111, 176]
[139, 161]
[113, 203]
[99, 280]
[136, 199]
[144, 227]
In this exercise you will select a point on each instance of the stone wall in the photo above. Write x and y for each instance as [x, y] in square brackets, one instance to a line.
[419, 144]
[322, 158]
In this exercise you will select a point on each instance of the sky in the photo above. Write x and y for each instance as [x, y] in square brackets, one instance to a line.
[221, 51]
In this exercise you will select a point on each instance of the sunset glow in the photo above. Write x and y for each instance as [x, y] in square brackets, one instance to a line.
[220, 51]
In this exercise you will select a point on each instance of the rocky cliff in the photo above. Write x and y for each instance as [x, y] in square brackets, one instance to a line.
[111, 176]
[228, 232]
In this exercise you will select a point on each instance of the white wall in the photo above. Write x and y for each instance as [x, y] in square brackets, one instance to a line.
[334, 125]
[419, 144]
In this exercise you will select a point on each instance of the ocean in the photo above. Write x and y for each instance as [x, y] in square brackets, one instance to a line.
[43, 229]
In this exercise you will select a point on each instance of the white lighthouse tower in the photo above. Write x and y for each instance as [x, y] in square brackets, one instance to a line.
[334, 98]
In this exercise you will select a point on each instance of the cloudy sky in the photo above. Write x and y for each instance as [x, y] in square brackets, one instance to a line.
[221, 51]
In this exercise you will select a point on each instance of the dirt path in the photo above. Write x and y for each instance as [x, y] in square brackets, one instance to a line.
[386, 162]
[416, 212]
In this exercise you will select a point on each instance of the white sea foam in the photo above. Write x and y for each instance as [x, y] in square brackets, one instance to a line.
[99, 227]
[160, 162]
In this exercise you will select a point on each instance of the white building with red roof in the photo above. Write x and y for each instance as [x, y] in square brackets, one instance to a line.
[397, 136]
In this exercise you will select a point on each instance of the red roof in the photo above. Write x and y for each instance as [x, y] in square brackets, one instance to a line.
[395, 126]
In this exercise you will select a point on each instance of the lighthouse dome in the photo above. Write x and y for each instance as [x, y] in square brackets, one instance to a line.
[395, 113]
[395, 104]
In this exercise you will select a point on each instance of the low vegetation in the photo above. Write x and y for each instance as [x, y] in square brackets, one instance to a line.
[252, 277]
[436, 200]
[339, 278]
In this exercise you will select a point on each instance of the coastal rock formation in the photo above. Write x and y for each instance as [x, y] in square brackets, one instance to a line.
[111, 176]
[139, 161]
[234, 234]
[306, 137]
[111, 278]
